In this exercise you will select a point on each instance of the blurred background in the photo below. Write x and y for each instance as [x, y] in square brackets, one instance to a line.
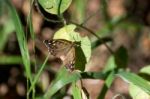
[120, 22]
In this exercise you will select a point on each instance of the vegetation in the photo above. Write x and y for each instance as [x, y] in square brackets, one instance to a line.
[108, 38]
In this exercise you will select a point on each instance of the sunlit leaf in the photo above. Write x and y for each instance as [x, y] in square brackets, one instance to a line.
[54, 6]
[136, 80]
[110, 65]
[137, 93]
[76, 91]
[145, 70]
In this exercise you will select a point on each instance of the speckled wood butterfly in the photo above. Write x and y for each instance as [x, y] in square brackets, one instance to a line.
[63, 49]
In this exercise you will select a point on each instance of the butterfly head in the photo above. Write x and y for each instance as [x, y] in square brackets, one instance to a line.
[48, 42]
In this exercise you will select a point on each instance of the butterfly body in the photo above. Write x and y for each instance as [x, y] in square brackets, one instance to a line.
[63, 49]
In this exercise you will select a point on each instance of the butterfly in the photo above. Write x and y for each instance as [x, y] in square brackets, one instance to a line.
[63, 49]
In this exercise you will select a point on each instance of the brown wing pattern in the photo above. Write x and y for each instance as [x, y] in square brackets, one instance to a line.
[63, 49]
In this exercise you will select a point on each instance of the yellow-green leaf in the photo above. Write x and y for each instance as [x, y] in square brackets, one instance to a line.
[55, 6]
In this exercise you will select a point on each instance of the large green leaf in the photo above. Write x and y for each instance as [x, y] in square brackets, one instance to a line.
[145, 70]
[55, 6]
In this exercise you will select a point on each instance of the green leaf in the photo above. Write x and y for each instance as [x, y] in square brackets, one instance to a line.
[109, 80]
[136, 80]
[137, 93]
[80, 60]
[94, 75]
[145, 70]
[121, 57]
[76, 91]
[63, 78]
[68, 33]
[110, 65]
[59, 83]
[55, 6]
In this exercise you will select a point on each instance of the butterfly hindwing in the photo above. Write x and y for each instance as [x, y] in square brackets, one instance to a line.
[69, 60]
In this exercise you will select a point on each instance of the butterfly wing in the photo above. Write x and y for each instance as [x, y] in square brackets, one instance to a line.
[58, 47]
[69, 59]
[64, 50]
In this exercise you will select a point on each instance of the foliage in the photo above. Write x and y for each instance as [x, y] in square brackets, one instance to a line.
[115, 66]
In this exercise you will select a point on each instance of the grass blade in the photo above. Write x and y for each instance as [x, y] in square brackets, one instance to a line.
[21, 38]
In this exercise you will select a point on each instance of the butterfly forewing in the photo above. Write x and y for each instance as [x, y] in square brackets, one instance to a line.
[58, 47]
[63, 49]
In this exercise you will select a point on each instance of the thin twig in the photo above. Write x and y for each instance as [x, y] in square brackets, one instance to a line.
[91, 16]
